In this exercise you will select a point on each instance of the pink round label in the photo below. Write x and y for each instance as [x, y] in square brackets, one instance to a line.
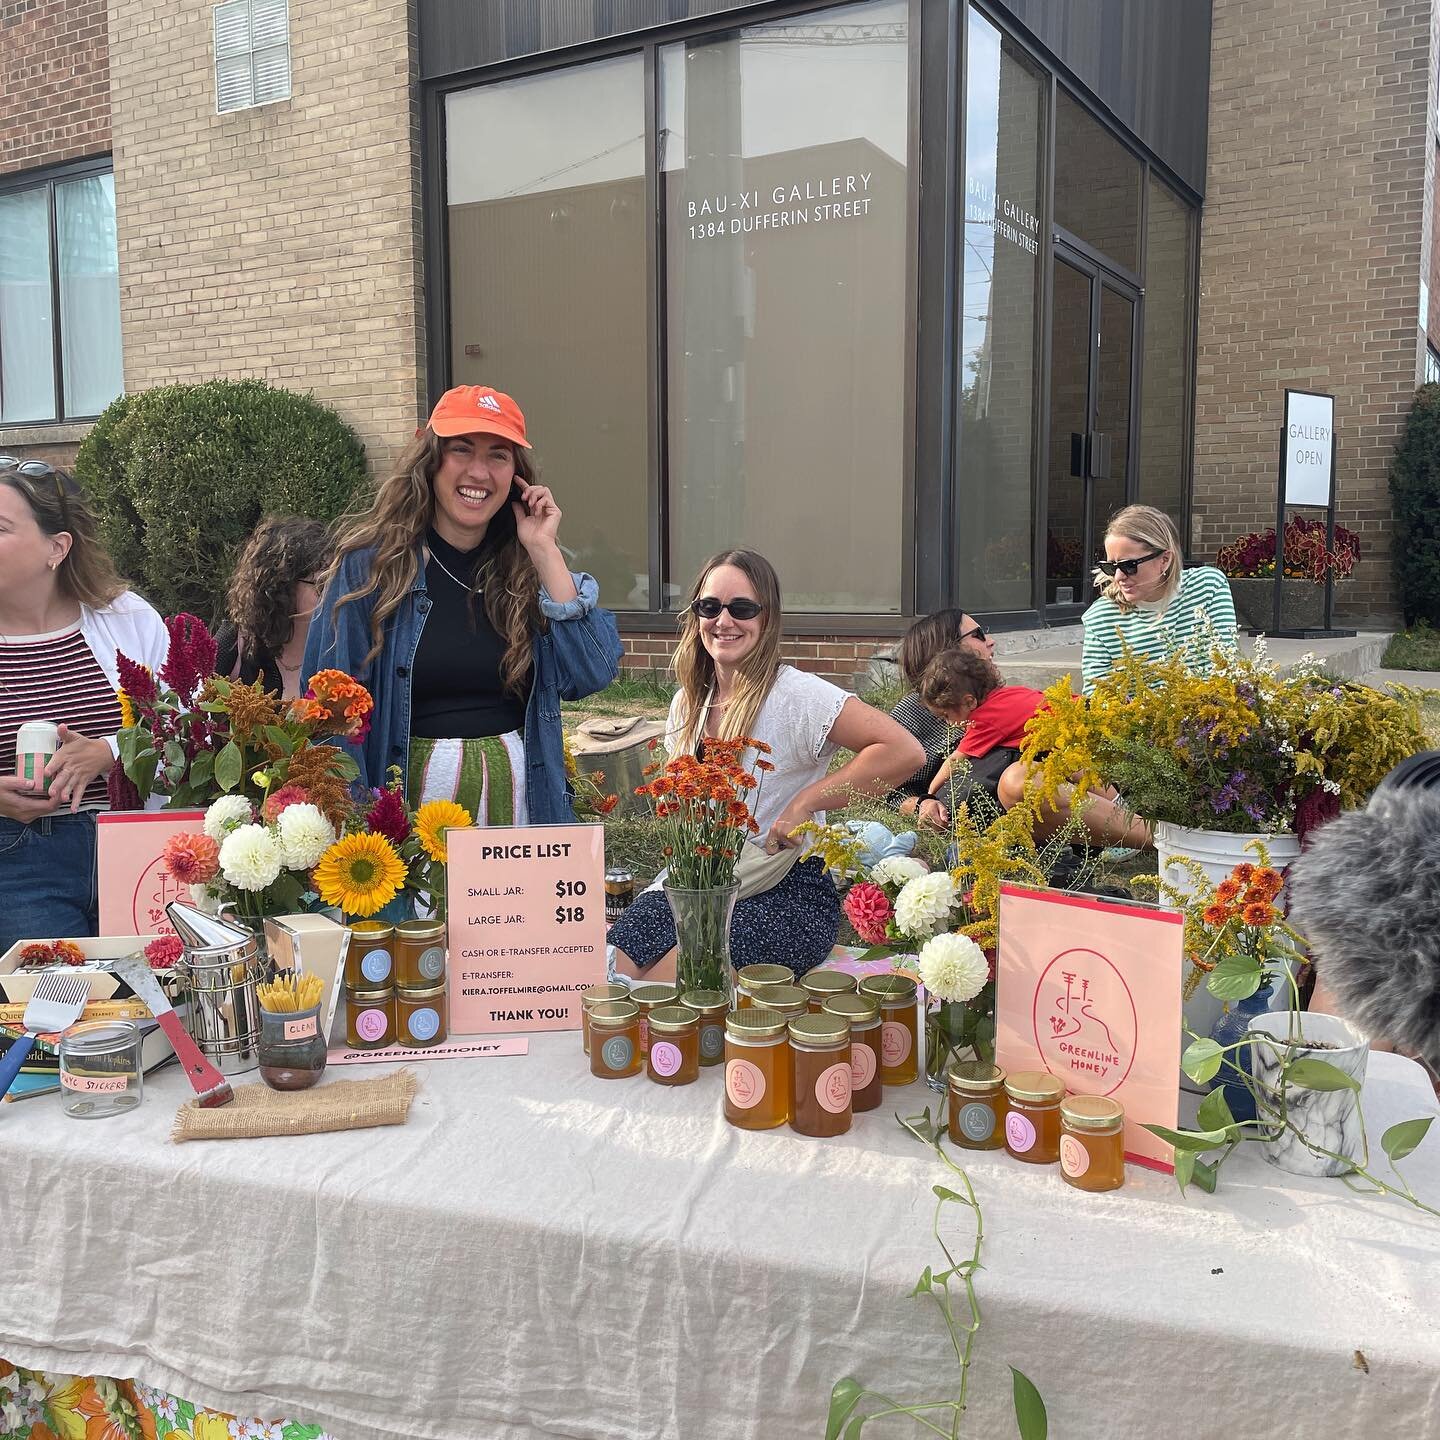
[895, 1043]
[1019, 1132]
[862, 1066]
[371, 1024]
[832, 1089]
[744, 1084]
[664, 1058]
[1074, 1157]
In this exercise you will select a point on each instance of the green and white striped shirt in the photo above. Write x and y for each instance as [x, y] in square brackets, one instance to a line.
[1204, 594]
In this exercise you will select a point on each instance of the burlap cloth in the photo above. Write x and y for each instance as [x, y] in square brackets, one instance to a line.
[258, 1110]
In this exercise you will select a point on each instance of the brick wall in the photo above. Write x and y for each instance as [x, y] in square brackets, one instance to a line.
[837, 657]
[54, 82]
[280, 242]
[1311, 254]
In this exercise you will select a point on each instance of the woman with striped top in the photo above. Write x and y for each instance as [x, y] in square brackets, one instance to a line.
[63, 615]
[1150, 603]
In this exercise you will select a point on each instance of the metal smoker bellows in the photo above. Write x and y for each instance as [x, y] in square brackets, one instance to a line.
[221, 969]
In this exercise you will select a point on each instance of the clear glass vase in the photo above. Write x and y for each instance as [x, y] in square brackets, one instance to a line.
[702, 937]
[958, 1030]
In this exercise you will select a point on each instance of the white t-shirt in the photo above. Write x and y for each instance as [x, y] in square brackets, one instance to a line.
[795, 721]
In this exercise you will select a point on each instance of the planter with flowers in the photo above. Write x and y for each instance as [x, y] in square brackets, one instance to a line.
[1249, 562]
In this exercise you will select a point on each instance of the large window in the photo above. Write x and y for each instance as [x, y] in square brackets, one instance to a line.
[59, 299]
[1098, 183]
[785, 204]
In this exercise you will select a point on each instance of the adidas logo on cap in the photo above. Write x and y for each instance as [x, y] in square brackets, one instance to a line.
[488, 402]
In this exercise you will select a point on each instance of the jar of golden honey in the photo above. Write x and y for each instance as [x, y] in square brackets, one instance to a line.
[789, 1000]
[757, 1069]
[422, 1017]
[822, 985]
[419, 954]
[820, 1075]
[863, 1016]
[674, 1054]
[899, 1026]
[977, 1108]
[748, 977]
[648, 998]
[712, 1007]
[1032, 1127]
[615, 1039]
[1092, 1142]
[369, 962]
[593, 995]
[370, 1018]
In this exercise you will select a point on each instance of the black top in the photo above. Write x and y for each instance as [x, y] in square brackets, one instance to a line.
[456, 691]
[261, 666]
[938, 737]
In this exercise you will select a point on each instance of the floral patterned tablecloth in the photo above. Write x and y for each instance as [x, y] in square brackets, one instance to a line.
[92, 1407]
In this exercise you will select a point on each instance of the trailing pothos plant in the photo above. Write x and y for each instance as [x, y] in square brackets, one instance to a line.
[853, 1405]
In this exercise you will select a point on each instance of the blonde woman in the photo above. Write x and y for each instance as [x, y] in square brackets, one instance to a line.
[450, 600]
[1149, 602]
[732, 682]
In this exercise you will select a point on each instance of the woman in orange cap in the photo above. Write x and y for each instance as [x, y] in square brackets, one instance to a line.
[450, 600]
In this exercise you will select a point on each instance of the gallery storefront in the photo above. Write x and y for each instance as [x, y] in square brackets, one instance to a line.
[884, 289]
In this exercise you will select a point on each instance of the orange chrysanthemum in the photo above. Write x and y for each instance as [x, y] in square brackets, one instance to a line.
[1228, 890]
[1258, 913]
[1216, 914]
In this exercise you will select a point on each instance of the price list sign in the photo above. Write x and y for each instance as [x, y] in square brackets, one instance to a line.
[527, 926]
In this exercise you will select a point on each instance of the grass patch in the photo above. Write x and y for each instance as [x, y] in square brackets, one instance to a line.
[634, 692]
[1415, 649]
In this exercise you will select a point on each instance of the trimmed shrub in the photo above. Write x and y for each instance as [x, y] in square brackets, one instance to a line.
[1415, 496]
[180, 475]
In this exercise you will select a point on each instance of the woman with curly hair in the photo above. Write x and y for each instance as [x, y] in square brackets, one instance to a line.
[449, 599]
[273, 593]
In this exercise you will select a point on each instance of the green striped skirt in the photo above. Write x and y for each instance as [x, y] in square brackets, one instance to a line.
[486, 776]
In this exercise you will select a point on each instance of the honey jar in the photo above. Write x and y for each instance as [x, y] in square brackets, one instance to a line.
[648, 998]
[674, 1054]
[821, 985]
[615, 1039]
[863, 1015]
[422, 1017]
[757, 1069]
[1092, 1142]
[820, 1074]
[899, 1027]
[977, 1107]
[789, 1000]
[369, 963]
[747, 977]
[712, 1007]
[419, 954]
[370, 1018]
[593, 995]
[1032, 1128]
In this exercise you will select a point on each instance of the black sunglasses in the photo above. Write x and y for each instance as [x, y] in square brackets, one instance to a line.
[707, 607]
[32, 470]
[977, 633]
[1126, 567]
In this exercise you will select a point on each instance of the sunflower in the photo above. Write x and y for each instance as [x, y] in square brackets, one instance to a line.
[360, 873]
[433, 819]
[127, 710]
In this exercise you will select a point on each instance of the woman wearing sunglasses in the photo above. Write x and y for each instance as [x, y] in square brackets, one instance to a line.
[733, 683]
[63, 615]
[1149, 602]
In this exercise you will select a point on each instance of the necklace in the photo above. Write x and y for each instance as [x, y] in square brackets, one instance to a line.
[461, 583]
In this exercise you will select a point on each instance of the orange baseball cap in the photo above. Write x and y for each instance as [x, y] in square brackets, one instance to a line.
[477, 409]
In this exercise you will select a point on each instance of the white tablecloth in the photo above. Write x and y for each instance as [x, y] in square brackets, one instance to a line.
[542, 1254]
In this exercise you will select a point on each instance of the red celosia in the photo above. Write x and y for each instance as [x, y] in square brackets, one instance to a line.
[136, 680]
[121, 790]
[284, 797]
[191, 660]
[387, 817]
[867, 910]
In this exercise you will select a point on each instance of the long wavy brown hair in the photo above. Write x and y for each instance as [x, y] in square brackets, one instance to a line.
[394, 526]
[260, 601]
[695, 670]
[87, 573]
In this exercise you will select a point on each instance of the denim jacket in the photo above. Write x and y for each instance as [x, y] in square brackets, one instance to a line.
[576, 654]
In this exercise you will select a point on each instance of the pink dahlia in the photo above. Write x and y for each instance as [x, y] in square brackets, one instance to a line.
[193, 859]
[282, 799]
[163, 951]
[867, 909]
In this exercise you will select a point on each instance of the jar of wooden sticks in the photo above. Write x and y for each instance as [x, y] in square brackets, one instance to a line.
[292, 1046]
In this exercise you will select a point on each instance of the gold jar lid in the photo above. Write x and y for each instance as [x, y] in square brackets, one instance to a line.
[411, 995]
[889, 989]
[1092, 1112]
[1034, 1085]
[824, 983]
[370, 997]
[597, 994]
[821, 1029]
[372, 931]
[753, 1024]
[859, 1010]
[649, 996]
[420, 929]
[613, 1014]
[784, 998]
[752, 975]
[975, 1075]
[705, 1002]
[673, 1020]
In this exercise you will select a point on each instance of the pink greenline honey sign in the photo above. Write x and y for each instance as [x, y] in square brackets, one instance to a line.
[135, 884]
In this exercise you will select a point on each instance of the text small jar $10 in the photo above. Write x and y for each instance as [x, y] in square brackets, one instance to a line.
[863, 1016]
[712, 1007]
[100, 1069]
[673, 1056]
[820, 1075]
[977, 1105]
[757, 1069]
[1092, 1142]
[899, 1026]
[615, 1039]
[1032, 1128]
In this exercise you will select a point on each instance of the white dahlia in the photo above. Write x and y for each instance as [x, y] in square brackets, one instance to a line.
[250, 857]
[953, 967]
[228, 813]
[896, 870]
[305, 835]
[924, 905]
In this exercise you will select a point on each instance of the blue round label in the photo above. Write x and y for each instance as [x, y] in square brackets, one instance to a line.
[712, 1041]
[431, 963]
[424, 1024]
[977, 1122]
[617, 1053]
[375, 967]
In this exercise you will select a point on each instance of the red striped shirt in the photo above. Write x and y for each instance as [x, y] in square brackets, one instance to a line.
[57, 678]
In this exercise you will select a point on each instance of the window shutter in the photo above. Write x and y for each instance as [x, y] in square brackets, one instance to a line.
[252, 53]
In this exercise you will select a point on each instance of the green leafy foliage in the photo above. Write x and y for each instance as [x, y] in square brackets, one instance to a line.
[1030, 1413]
[1415, 501]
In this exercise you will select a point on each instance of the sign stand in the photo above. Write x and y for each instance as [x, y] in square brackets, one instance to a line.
[1307, 478]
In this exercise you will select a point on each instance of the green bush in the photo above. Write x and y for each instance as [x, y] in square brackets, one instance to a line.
[1415, 496]
[180, 475]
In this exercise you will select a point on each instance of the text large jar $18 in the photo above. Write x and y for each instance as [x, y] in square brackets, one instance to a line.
[419, 954]
[977, 1108]
[757, 1069]
[673, 1056]
[820, 1075]
[1092, 1142]
[370, 962]
[615, 1039]
[1032, 1128]
[899, 1026]
[863, 1017]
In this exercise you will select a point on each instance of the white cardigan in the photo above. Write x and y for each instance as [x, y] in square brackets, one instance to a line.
[130, 626]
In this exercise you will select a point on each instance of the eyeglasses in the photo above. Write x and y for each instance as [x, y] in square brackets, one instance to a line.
[707, 607]
[31, 470]
[1126, 567]
[975, 633]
